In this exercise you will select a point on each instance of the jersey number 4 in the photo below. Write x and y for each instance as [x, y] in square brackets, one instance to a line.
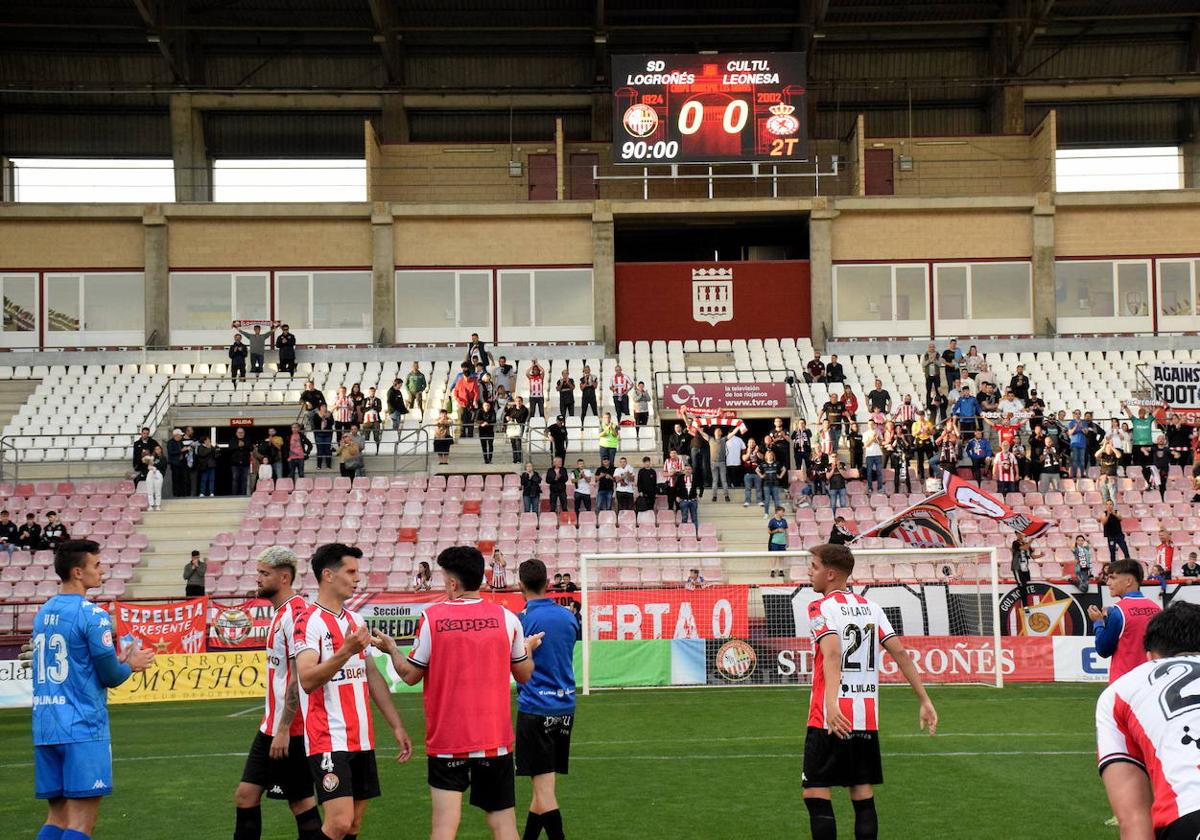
[856, 638]
[56, 647]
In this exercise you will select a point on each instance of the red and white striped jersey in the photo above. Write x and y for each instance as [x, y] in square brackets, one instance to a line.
[537, 382]
[1151, 717]
[1164, 555]
[621, 384]
[280, 643]
[337, 716]
[1006, 467]
[861, 629]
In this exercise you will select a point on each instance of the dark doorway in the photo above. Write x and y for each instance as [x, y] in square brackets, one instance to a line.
[543, 178]
[880, 179]
[581, 183]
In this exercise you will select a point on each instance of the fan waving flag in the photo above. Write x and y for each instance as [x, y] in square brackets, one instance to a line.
[971, 497]
[697, 417]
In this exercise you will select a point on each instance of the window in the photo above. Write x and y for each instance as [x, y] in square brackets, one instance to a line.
[20, 294]
[1102, 295]
[977, 298]
[552, 304]
[203, 304]
[1179, 295]
[289, 180]
[335, 305]
[443, 305]
[880, 300]
[95, 309]
[94, 180]
[1105, 170]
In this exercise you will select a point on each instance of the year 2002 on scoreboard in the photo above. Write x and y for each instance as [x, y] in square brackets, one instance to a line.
[709, 108]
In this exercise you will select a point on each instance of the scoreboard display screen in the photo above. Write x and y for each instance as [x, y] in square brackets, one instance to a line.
[709, 108]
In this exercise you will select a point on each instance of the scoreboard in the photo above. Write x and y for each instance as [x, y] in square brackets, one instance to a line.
[709, 108]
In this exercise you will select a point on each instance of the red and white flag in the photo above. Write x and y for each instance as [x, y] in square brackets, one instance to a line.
[695, 418]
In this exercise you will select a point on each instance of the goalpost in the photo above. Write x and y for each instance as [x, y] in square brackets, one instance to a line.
[645, 626]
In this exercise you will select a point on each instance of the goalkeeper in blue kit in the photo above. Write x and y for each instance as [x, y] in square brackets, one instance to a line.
[73, 664]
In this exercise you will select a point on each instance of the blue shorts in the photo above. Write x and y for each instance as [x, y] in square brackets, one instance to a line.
[74, 771]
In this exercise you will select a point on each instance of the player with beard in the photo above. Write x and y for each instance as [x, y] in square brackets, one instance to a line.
[277, 764]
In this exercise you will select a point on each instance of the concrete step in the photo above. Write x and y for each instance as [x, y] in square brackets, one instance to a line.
[183, 525]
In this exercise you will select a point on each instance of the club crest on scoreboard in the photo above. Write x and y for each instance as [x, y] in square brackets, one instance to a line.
[712, 295]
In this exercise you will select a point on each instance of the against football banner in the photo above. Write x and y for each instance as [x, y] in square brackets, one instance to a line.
[196, 676]
[166, 628]
[1176, 386]
[241, 626]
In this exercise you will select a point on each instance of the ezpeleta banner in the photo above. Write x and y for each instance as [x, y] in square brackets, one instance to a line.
[167, 628]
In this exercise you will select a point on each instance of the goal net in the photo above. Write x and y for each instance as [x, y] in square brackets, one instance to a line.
[681, 620]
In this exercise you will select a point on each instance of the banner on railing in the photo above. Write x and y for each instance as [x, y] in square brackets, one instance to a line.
[1176, 386]
[165, 628]
[239, 626]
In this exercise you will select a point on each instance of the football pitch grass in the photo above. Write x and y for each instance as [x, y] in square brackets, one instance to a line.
[1018, 762]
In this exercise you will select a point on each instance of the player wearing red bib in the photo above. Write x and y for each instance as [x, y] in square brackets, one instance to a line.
[337, 682]
[466, 650]
[277, 764]
[1148, 733]
[849, 634]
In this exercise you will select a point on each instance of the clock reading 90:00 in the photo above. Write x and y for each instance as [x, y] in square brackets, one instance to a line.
[641, 150]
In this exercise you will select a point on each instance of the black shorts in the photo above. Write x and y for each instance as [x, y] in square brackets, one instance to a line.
[1186, 827]
[286, 778]
[491, 780]
[338, 774]
[543, 743]
[830, 761]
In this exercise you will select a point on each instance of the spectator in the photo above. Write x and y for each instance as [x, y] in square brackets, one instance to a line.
[924, 432]
[1094, 437]
[143, 446]
[557, 432]
[834, 412]
[442, 438]
[587, 394]
[55, 532]
[415, 384]
[814, 371]
[581, 478]
[1008, 430]
[626, 478]
[1158, 575]
[516, 416]
[751, 479]
[237, 359]
[487, 430]
[1009, 404]
[698, 456]
[836, 481]
[343, 410]
[1037, 409]
[1191, 568]
[610, 438]
[536, 378]
[849, 410]
[679, 441]
[286, 345]
[1019, 384]
[941, 406]
[879, 399]
[1022, 555]
[718, 454]
[687, 490]
[989, 400]
[177, 461]
[193, 576]
[9, 535]
[1006, 470]
[323, 431]
[565, 388]
[647, 486]
[931, 366]
[1164, 552]
[694, 580]
[834, 371]
[395, 403]
[556, 480]
[272, 453]
[801, 446]
[531, 490]
[152, 484]
[504, 375]
[972, 363]
[499, 571]
[948, 442]
[350, 455]
[773, 474]
[1114, 533]
[239, 462]
[606, 485]
[979, 450]
[873, 452]
[206, 466]
[641, 404]
[298, 448]
[29, 535]
[1160, 467]
[466, 399]
[356, 399]
[1179, 439]
[487, 388]
[986, 377]
[311, 399]
[966, 410]
[258, 344]
[777, 534]
[1082, 552]
[422, 578]
[477, 353]
[1109, 459]
[503, 398]
[567, 584]
[906, 446]
[951, 357]
[1049, 473]
[840, 533]
[620, 387]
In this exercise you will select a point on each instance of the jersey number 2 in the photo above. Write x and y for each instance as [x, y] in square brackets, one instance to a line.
[56, 647]
[856, 637]
[1181, 674]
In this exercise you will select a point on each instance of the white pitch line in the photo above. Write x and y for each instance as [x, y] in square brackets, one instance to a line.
[801, 737]
[257, 708]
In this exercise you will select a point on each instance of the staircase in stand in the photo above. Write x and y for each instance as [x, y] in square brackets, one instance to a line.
[183, 525]
[739, 529]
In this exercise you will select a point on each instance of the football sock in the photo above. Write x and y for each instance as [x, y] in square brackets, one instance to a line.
[552, 820]
[72, 834]
[50, 832]
[533, 827]
[866, 821]
[821, 819]
[308, 825]
[349, 837]
[249, 824]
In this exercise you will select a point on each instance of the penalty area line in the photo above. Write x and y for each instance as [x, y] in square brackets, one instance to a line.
[257, 708]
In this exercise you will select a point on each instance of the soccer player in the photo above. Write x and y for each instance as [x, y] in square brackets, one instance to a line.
[336, 678]
[74, 663]
[277, 763]
[849, 634]
[466, 649]
[1147, 723]
[545, 704]
[1120, 630]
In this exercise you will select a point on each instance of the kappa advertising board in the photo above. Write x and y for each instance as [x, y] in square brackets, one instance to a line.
[730, 395]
